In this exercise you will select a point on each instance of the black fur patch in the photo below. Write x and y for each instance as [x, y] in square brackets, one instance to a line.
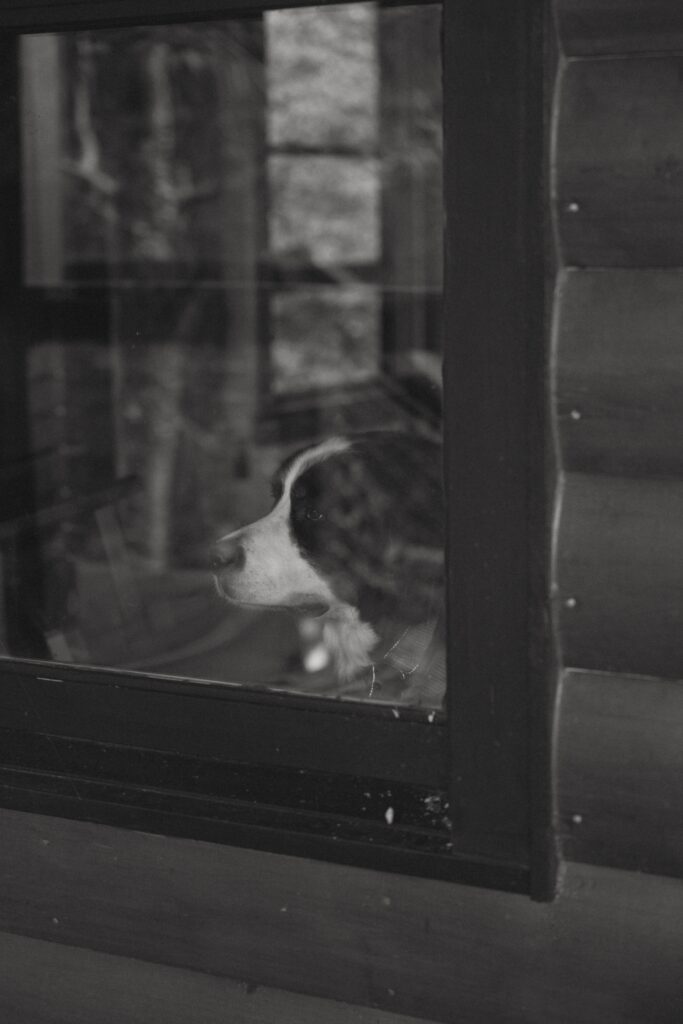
[371, 520]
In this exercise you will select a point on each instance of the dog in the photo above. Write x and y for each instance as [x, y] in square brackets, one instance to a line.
[355, 538]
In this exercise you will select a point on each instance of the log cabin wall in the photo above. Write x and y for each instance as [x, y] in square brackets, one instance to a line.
[617, 361]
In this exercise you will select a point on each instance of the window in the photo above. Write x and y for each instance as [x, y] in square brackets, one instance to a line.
[223, 241]
[219, 271]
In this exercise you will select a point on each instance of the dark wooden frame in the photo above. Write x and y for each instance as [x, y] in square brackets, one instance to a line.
[204, 760]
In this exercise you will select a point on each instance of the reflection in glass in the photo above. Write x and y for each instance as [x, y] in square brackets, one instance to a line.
[231, 252]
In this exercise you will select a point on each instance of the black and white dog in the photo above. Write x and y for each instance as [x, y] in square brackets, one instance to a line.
[355, 536]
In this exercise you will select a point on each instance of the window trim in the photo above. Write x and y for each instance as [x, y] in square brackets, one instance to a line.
[495, 742]
[493, 461]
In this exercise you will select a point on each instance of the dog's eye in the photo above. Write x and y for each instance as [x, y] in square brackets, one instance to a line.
[313, 515]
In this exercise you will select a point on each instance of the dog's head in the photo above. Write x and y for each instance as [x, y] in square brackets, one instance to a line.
[357, 524]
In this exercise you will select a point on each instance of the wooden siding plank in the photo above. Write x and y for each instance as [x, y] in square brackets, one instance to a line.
[619, 162]
[620, 585]
[620, 771]
[46, 983]
[593, 27]
[619, 371]
[607, 952]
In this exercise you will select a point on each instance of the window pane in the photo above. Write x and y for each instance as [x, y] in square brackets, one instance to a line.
[328, 333]
[222, 353]
[324, 209]
[323, 78]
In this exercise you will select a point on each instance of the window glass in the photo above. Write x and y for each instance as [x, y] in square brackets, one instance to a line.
[222, 461]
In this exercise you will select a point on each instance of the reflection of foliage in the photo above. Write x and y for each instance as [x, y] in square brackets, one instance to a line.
[323, 77]
[327, 206]
[166, 135]
[145, 108]
[162, 160]
[142, 162]
[326, 334]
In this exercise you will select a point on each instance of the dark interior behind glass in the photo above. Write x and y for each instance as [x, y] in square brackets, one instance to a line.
[231, 250]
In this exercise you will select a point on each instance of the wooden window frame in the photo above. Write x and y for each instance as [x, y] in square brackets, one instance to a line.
[470, 790]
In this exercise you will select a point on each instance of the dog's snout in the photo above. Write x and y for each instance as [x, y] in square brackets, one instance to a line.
[228, 552]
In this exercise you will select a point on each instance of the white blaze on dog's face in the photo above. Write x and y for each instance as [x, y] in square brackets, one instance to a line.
[262, 565]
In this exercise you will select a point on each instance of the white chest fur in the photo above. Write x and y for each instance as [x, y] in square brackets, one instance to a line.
[348, 639]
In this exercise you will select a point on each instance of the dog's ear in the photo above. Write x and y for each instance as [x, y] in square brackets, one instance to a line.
[371, 520]
[409, 591]
[400, 568]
